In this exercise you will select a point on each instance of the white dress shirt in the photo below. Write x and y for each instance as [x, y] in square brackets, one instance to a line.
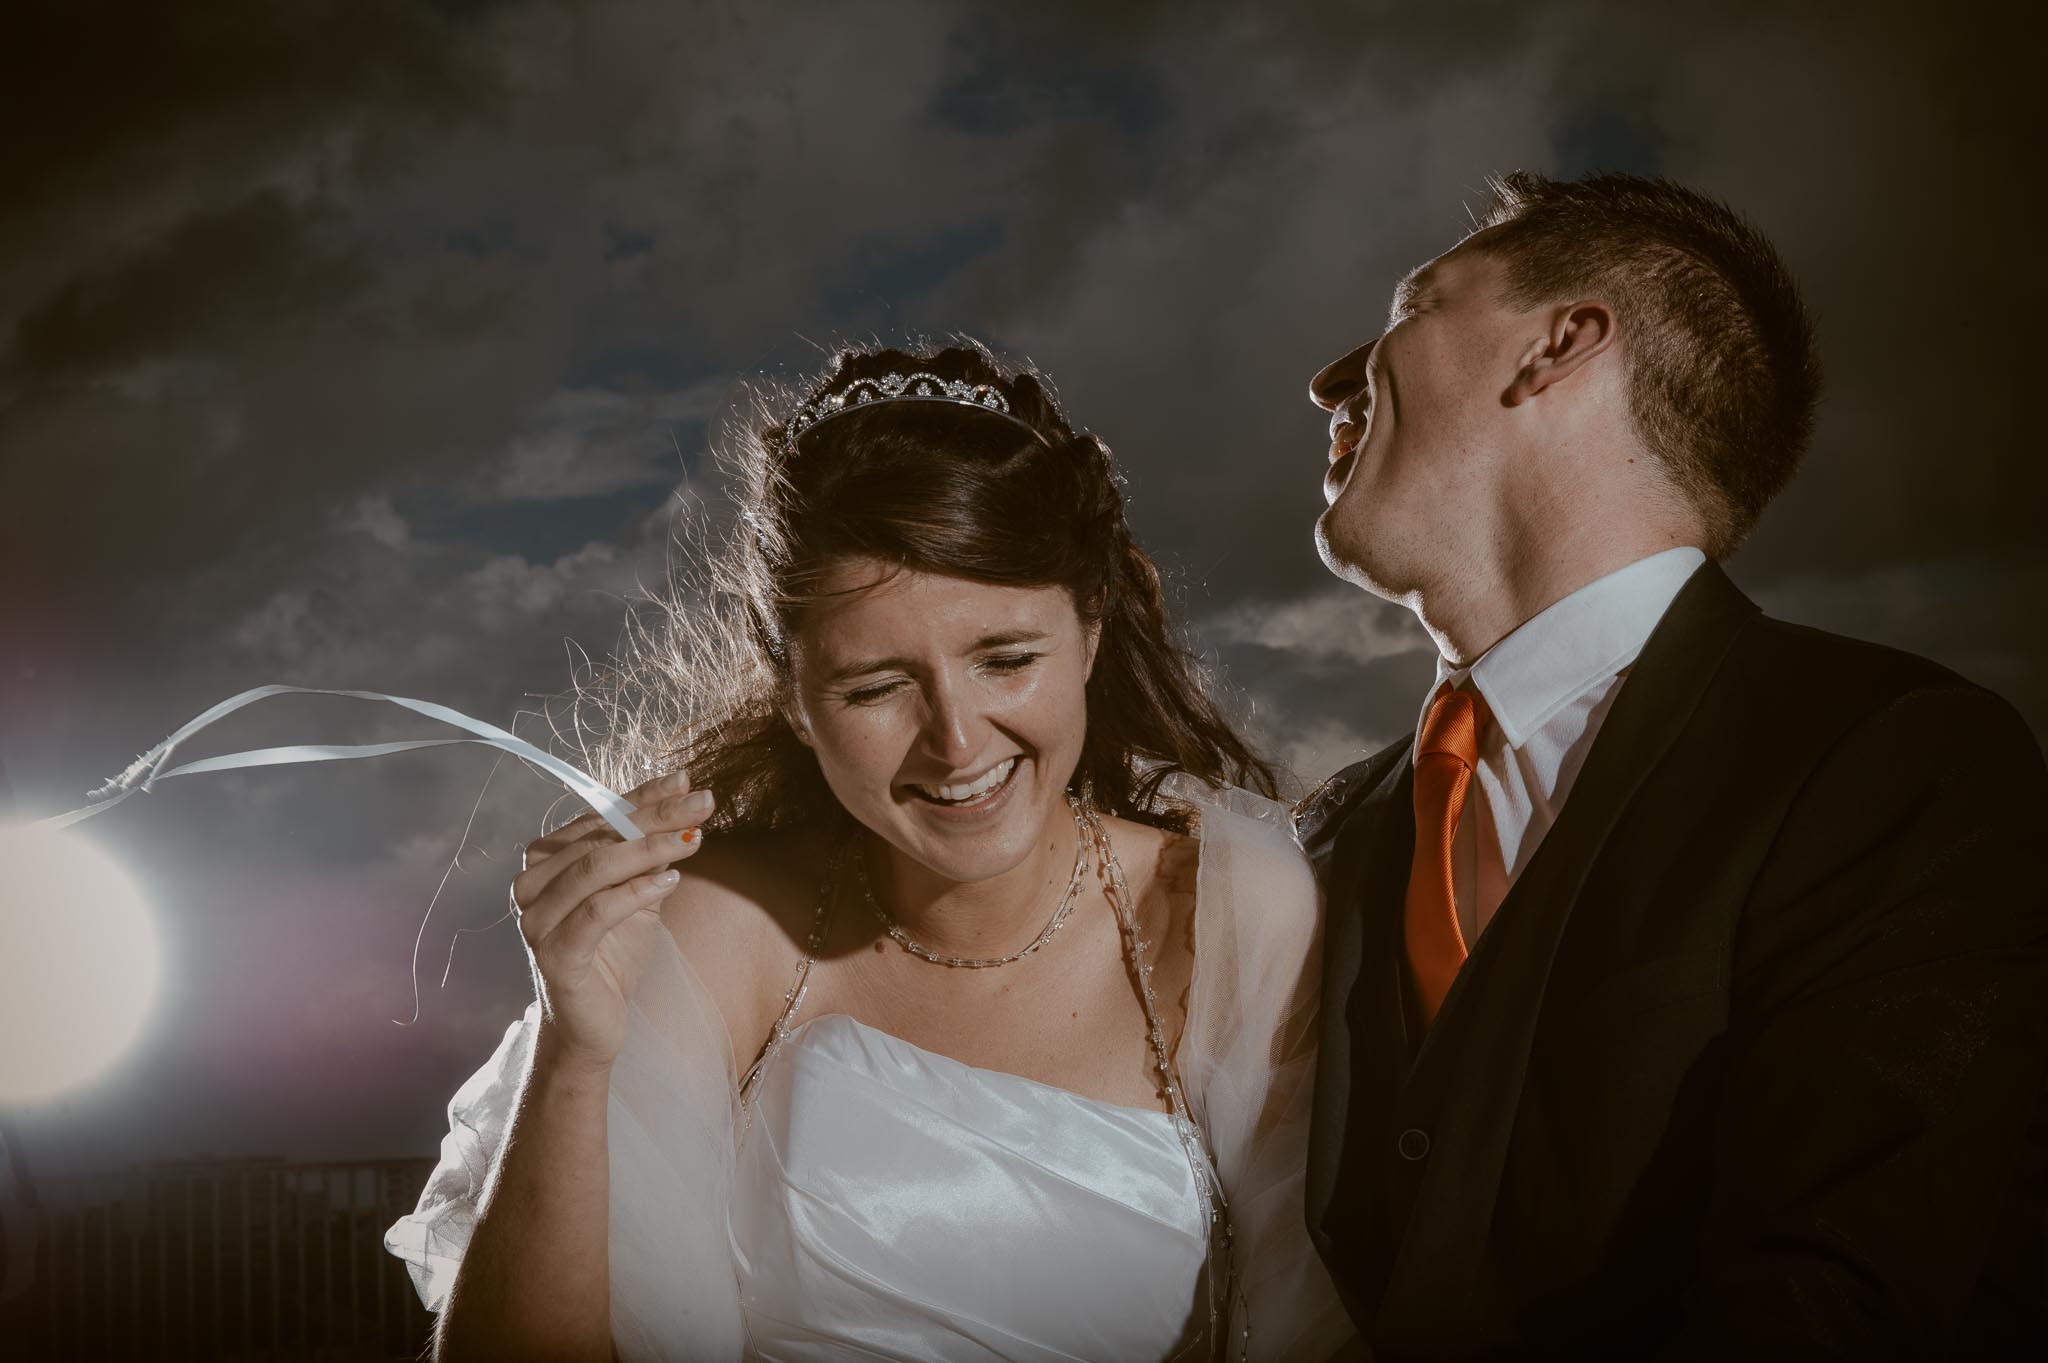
[1548, 685]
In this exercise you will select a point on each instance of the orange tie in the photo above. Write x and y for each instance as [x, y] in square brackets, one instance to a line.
[1444, 758]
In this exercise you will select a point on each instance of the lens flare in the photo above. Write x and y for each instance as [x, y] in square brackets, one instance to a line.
[78, 962]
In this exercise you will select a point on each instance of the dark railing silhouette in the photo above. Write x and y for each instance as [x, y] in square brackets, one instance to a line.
[232, 1259]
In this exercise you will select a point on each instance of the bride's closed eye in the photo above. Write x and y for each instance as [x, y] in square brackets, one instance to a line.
[1010, 662]
[873, 692]
[1003, 664]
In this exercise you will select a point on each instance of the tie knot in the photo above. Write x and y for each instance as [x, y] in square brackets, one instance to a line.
[1451, 728]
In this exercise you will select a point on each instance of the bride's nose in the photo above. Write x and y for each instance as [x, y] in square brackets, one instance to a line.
[955, 729]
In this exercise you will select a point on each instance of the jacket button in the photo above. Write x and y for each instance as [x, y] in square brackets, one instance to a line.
[1414, 1144]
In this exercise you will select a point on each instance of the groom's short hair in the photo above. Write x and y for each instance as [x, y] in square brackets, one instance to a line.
[1719, 351]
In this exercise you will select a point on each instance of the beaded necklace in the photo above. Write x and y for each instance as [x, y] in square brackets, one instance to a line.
[924, 953]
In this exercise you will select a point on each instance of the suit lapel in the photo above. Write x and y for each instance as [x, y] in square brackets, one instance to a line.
[1468, 1078]
[1362, 1053]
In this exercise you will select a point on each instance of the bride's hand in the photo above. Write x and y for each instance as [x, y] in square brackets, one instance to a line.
[589, 908]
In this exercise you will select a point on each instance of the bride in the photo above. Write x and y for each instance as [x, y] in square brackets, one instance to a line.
[958, 1003]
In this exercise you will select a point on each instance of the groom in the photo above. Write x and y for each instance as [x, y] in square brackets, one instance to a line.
[1684, 983]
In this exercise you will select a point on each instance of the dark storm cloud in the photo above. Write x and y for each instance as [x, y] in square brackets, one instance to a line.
[203, 288]
[125, 120]
[364, 344]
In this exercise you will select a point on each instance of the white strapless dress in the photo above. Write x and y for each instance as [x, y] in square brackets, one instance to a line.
[889, 1203]
[873, 1200]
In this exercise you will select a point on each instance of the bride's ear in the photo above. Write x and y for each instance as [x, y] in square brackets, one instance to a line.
[799, 723]
[1092, 640]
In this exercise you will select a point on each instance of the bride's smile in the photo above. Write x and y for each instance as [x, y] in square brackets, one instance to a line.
[975, 792]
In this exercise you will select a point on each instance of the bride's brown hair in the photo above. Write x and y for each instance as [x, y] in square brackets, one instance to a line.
[933, 487]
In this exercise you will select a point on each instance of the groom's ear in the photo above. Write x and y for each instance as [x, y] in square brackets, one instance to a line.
[1577, 333]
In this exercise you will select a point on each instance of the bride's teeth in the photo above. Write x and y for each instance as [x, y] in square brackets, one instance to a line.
[955, 794]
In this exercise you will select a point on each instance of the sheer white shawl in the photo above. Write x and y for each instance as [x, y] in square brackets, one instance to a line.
[1247, 1059]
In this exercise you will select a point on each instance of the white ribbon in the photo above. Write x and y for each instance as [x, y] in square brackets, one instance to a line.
[145, 771]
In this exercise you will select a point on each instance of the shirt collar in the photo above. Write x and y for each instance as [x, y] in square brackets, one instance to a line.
[1561, 651]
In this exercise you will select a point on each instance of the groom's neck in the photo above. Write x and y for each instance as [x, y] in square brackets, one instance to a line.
[1523, 565]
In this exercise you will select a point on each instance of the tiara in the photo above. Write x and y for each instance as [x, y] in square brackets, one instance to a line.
[918, 387]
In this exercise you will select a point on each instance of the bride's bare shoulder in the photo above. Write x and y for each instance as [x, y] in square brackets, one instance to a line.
[1155, 859]
[740, 916]
[1160, 866]
[746, 892]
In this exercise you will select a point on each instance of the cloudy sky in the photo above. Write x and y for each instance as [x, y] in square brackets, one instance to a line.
[380, 344]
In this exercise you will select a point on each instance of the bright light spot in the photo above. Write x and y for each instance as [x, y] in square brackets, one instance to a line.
[78, 962]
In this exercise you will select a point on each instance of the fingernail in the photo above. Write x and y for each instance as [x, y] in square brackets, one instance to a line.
[693, 836]
[675, 780]
[667, 878]
[698, 804]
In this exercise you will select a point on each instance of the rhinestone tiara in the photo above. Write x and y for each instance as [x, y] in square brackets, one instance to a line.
[918, 387]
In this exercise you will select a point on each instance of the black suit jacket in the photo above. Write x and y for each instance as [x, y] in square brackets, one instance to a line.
[1749, 1062]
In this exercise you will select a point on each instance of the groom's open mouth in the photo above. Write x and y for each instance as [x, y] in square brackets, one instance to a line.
[1344, 437]
[1344, 443]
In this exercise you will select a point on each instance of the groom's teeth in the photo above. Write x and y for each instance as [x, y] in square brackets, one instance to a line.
[995, 776]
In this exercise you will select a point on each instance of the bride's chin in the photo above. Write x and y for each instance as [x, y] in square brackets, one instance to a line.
[966, 853]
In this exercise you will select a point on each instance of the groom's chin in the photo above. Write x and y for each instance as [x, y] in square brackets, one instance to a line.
[1345, 557]
[1337, 551]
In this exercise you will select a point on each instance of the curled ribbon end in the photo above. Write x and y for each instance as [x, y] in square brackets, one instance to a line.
[130, 775]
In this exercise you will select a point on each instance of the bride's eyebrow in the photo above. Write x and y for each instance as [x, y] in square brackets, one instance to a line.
[1008, 638]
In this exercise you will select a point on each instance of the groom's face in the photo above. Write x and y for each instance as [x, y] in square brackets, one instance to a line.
[1416, 425]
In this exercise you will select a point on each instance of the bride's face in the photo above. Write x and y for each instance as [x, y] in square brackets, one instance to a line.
[947, 714]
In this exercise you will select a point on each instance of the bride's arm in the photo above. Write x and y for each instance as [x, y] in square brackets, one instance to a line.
[534, 1280]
